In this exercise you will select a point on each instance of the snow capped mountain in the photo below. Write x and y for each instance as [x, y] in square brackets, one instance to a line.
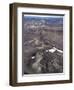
[53, 50]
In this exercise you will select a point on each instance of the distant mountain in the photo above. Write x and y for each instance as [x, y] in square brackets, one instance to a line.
[44, 20]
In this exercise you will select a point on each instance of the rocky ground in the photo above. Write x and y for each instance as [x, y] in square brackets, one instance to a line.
[41, 61]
